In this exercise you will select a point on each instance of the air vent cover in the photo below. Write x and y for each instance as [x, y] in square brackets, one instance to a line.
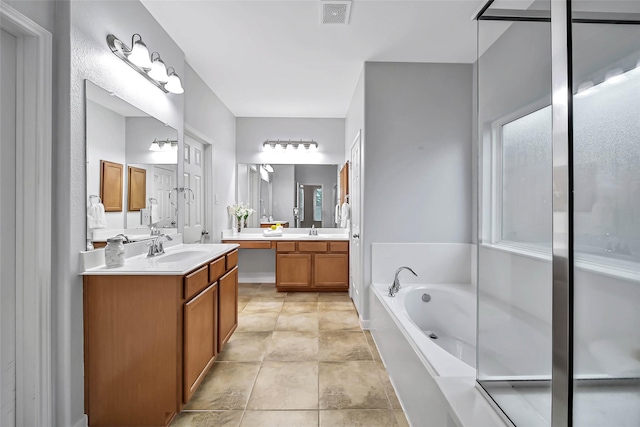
[335, 12]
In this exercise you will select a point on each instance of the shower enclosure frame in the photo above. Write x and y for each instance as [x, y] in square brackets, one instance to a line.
[561, 19]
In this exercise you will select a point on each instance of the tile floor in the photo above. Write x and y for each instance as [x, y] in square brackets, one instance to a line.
[296, 359]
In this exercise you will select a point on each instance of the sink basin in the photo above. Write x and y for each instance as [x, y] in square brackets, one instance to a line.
[180, 256]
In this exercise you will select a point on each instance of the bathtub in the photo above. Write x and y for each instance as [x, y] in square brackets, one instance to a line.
[443, 330]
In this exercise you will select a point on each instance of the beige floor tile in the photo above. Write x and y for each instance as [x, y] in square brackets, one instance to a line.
[302, 296]
[357, 418]
[247, 289]
[343, 346]
[285, 385]
[263, 306]
[351, 385]
[226, 386]
[388, 387]
[242, 303]
[208, 419]
[333, 296]
[280, 419]
[336, 306]
[299, 307]
[401, 419]
[269, 291]
[290, 346]
[246, 347]
[255, 322]
[300, 322]
[338, 320]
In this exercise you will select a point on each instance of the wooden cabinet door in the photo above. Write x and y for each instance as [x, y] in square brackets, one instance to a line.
[331, 270]
[227, 306]
[200, 336]
[293, 270]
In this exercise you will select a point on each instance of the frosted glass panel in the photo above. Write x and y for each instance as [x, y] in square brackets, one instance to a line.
[526, 178]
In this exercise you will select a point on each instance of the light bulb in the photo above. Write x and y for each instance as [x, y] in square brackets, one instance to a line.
[174, 85]
[158, 69]
[139, 54]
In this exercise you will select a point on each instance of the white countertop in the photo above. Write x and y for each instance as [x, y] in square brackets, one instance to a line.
[287, 234]
[177, 260]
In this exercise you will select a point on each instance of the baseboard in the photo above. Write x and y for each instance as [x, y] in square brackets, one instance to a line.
[364, 324]
[256, 278]
[82, 422]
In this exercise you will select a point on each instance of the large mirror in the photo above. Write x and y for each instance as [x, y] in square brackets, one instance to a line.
[297, 196]
[131, 170]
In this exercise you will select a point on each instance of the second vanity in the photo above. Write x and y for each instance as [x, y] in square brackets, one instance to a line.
[153, 329]
[303, 262]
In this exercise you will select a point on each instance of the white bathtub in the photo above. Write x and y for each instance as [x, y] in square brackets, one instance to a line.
[450, 314]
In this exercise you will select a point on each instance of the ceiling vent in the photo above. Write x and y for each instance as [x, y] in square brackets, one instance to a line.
[335, 12]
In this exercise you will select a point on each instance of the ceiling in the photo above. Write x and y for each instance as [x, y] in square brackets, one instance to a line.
[275, 59]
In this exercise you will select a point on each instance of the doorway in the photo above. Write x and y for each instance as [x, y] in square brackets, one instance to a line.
[310, 206]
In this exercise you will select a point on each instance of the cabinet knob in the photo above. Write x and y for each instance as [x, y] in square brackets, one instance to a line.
[356, 236]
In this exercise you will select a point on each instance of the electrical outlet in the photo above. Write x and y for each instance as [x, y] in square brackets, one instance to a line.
[145, 216]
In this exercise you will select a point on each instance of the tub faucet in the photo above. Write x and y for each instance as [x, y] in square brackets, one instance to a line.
[156, 247]
[393, 289]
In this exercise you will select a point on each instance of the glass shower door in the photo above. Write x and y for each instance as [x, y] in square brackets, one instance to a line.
[606, 171]
[515, 217]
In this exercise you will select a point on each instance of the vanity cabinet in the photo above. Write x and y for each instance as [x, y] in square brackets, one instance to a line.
[150, 340]
[312, 265]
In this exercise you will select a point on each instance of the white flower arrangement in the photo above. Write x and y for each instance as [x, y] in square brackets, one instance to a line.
[240, 211]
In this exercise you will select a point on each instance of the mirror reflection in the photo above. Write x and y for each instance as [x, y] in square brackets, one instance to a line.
[296, 196]
[131, 170]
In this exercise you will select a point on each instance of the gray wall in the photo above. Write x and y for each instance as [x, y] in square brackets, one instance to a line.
[253, 131]
[417, 156]
[207, 115]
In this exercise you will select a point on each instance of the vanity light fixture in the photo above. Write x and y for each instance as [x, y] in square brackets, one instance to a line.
[270, 145]
[614, 77]
[151, 67]
[268, 168]
[164, 145]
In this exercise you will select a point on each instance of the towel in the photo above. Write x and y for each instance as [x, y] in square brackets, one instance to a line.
[95, 216]
[337, 216]
[154, 213]
[345, 215]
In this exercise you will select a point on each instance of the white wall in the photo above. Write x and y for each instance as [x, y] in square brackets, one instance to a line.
[354, 121]
[417, 155]
[212, 120]
[253, 131]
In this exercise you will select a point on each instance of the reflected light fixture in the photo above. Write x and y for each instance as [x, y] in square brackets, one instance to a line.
[614, 77]
[268, 168]
[585, 89]
[152, 67]
[164, 145]
[289, 145]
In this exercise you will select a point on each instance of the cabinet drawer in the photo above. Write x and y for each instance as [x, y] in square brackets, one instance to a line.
[339, 246]
[312, 246]
[251, 244]
[286, 246]
[232, 259]
[196, 281]
[216, 269]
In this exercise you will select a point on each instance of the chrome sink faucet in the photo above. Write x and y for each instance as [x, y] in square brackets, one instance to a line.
[313, 231]
[395, 287]
[156, 247]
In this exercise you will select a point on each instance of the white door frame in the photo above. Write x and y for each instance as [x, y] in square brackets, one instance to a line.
[360, 256]
[34, 383]
[207, 163]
